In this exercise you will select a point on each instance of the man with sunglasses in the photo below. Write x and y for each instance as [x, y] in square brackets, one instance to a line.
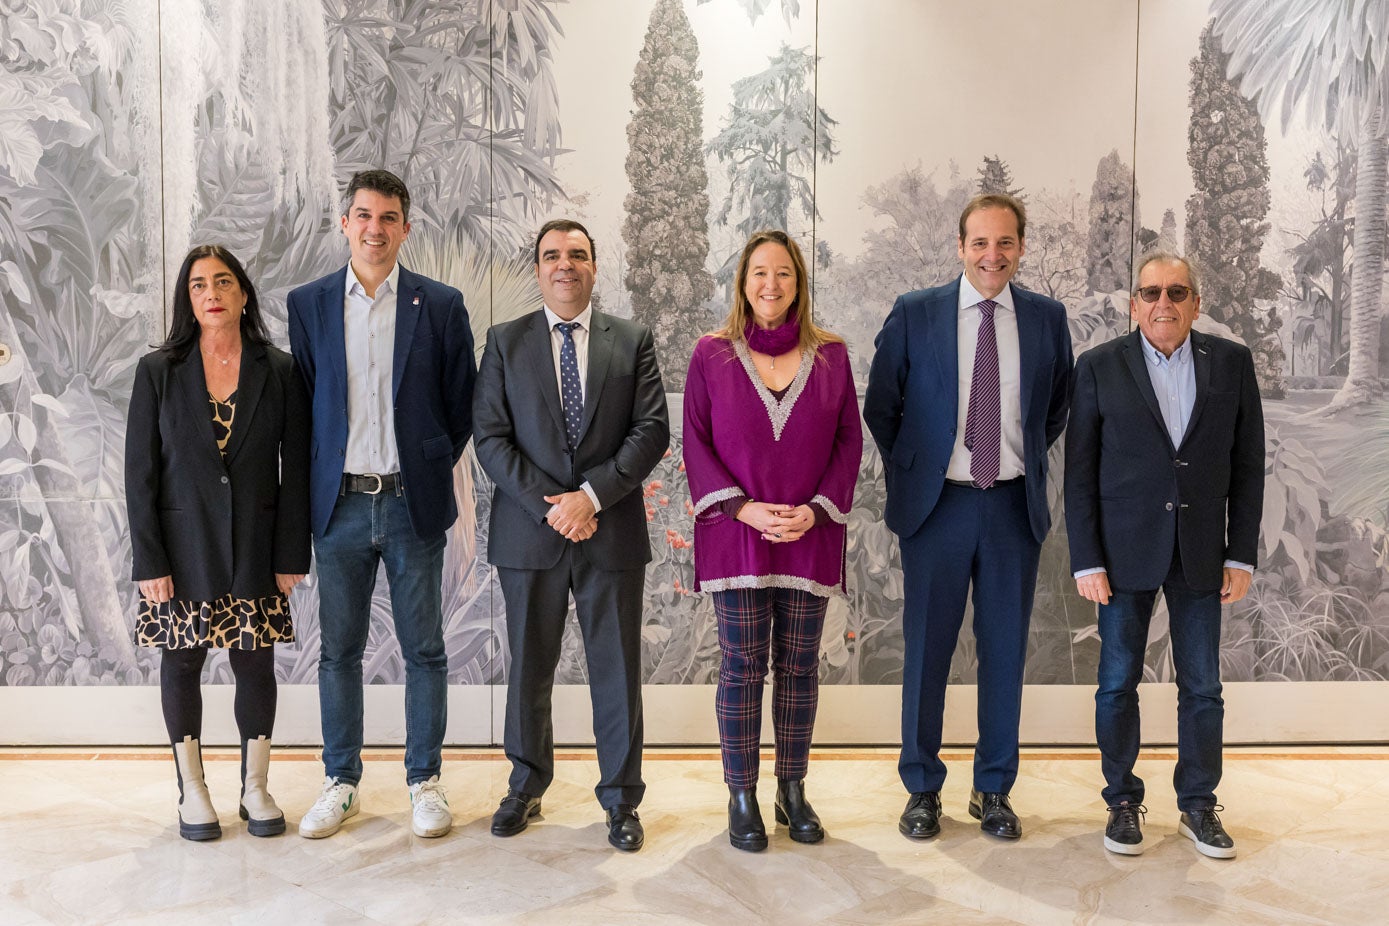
[1164, 490]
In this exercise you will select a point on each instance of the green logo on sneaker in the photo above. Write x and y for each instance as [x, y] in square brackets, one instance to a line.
[349, 802]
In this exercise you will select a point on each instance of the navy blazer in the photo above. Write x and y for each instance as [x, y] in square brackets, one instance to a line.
[911, 405]
[521, 441]
[432, 372]
[218, 528]
[1131, 495]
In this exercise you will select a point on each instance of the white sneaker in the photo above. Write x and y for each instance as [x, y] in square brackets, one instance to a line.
[336, 803]
[429, 810]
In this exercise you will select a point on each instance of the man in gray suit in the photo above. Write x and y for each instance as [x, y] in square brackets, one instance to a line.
[569, 416]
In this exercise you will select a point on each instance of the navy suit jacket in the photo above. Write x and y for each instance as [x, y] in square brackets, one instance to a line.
[1131, 495]
[521, 441]
[218, 527]
[911, 405]
[432, 372]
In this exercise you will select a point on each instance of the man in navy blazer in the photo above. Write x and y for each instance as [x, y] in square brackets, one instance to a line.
[1164, 489]
[388, 358]
[966, 393]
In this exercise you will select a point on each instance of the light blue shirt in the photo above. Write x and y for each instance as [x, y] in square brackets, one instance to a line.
[369, 334]
[1174, 382]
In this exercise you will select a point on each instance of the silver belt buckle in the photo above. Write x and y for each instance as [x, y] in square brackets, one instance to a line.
[379, 483]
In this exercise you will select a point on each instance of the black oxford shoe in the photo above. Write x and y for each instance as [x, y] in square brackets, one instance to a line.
[624, 828]
[921, 819]
[995, 814]
[515, 812]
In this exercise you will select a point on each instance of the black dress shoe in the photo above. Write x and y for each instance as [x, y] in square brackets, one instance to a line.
[624, 828]
[515, 812]
[921, 819]
[794, 812]
[994, 813]
[745, 829]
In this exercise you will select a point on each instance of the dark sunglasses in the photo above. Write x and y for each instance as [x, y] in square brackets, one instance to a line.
[1176, 292]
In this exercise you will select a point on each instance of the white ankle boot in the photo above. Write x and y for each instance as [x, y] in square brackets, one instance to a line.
[258, 808]
[197, 819]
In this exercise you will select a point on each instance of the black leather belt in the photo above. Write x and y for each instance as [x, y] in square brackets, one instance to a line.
[370, 483]
[970, 485]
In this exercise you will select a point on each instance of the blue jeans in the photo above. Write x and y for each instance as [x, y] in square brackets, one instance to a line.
[1194, 622]
[366, 530]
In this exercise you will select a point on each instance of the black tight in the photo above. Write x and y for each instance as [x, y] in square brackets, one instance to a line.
[180, 675]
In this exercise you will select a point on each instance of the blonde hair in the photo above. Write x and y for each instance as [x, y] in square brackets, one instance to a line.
[813, 337]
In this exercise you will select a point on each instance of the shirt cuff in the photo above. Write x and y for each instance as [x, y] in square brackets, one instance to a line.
[592, 496]
[1231, 564]
[1087, 572]
[731, 506]
[821, 515]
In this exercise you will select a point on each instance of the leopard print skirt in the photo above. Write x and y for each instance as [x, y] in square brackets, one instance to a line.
[227, 623]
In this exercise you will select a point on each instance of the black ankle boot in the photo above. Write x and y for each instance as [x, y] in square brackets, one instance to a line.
[794, 812]
[745, 829]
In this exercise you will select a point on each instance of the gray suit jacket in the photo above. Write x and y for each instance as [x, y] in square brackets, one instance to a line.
[518, 429]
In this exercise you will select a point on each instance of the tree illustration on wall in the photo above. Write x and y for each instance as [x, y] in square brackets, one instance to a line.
[667, 225]
[1329, 58]
[771, 137]
[1111, 245]
[1225, 225]
[995, 177]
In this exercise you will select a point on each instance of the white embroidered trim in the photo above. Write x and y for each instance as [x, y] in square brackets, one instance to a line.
[714, 498]
[773, 581]
[779, 412]
[831, 509]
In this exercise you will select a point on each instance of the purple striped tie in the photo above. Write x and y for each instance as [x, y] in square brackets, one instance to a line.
[983, 428]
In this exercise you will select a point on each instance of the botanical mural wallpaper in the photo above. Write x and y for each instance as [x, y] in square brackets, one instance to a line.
[1248, 134]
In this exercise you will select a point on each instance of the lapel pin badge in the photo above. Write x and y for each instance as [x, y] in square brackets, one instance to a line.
[417, 300]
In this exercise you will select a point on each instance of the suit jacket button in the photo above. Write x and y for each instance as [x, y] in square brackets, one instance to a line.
[225, 480]
[1169, 506]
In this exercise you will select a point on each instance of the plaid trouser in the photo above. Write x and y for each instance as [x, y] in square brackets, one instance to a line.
[754, 623]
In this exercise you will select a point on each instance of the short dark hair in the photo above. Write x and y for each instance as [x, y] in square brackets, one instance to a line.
[378, 181]
[184, 329]
[564, 225]
[996, 201]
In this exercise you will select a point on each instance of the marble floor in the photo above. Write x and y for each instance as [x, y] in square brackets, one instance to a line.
[91, 837]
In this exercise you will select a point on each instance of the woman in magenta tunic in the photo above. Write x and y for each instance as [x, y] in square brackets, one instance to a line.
[772, 445]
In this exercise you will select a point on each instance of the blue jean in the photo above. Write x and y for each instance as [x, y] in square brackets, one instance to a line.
[1194, 622]
[366, 530]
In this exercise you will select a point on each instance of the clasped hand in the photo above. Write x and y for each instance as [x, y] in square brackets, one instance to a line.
[777, 523]
[572, 515]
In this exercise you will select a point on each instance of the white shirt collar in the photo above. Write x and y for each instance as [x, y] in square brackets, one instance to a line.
[969, 296]
[584, 319]
[391, 282]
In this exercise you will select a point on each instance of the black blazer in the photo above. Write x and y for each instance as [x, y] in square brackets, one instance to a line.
[218, 528]
[518, 433]
[1131, 495]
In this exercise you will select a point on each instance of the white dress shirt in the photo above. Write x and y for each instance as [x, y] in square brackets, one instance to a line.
[1010, 454]
[580, 335]
[369, 335]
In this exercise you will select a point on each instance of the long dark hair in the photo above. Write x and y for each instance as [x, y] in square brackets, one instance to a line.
[184, 329]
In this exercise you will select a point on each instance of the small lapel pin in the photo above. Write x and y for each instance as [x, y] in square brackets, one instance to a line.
[417, 300]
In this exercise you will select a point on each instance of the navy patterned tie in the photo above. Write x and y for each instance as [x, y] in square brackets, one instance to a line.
[570, 389]
[983, 425]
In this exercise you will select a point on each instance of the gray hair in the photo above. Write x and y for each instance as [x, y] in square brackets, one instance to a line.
[1167, 257]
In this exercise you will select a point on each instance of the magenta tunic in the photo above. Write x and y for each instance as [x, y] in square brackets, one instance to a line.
[739, 441]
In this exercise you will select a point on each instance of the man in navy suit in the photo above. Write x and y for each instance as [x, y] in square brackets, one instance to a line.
[1164, 490]
[966, 393]
[388, 358]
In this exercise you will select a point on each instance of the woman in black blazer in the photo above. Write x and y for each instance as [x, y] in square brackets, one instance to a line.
[216, 478]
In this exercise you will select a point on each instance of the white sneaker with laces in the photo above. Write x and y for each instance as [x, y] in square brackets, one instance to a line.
[429, 809]
[335, 803]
